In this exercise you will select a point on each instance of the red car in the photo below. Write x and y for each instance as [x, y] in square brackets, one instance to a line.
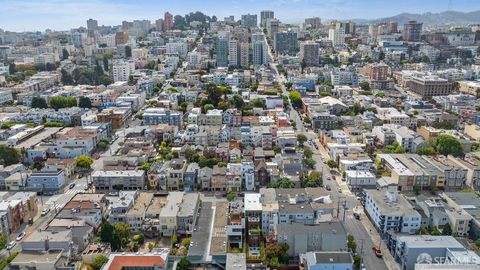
[377, 251]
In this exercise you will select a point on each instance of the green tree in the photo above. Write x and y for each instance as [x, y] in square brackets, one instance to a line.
[448, 145]
[174, 239]
[284, 182]
[99, 261]
[258, 103]
[447, 229]
[231, 196]
[278, 251]
[307, 152]
[295, 98]
[288, 85]
[84, 102]
[426, 151]
[58, 102]
[38, 102]
[184, 264]
[214, 93]
[65, 54]
[351, 244]
[364, 85]
[186, 242]
[314, 179]
[310, 163]
[106, 232]
[223, 105]
[66, 78]
[8, 155]
[139, 238]
[331, 163]
[208, 107]
[3, 241]
[83, 162]
[238, 102]
[301, 138]
[123, 230]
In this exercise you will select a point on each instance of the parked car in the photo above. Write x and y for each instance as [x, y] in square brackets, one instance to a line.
[339, 190]
[20, 236]
[377, 251]
[327, 187]
[11, 245]
[356, 215]
[45, 212]
[30, 221]
[72, 185]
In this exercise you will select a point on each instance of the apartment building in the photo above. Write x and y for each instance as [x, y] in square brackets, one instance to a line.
[117, 180]
[390, 211]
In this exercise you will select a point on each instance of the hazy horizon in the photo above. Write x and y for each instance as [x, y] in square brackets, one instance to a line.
[36, 15]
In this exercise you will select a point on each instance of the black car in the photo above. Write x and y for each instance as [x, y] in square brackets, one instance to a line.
[72, 185]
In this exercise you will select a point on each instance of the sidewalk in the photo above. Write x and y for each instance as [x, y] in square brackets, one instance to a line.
[372, 232]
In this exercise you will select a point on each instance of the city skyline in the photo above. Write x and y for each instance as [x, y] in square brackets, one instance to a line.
[63, 15]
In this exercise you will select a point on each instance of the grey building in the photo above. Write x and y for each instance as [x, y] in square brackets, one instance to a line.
[110, 180]
[265, 15]
[309, 53]
[410, 250]
[324, 121]
[327, 236]
[222, 52]
[412, 31]
[187, 213]
[156, 116]
[285, 43]
[249, 20]
[190, 177]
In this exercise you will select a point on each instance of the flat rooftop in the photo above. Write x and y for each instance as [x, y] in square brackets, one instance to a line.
[218, 245]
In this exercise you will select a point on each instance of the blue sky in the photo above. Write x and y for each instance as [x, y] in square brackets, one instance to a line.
[22, 15]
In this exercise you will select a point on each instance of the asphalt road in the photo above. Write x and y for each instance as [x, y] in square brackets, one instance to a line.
[346, 200]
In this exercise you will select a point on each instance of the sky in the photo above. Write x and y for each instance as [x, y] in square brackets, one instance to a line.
[30, 15]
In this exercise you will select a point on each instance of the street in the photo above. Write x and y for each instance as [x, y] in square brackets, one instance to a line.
[346, 200]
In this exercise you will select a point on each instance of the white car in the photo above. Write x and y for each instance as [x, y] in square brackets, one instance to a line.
[45, 212]
[11, 245]
[20, 236]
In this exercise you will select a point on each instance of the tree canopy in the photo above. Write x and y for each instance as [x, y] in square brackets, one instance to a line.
[84, 102]
[59, 102]
[448, 145]
[83, 162]
[38, 102]
[8, 155]
[295, 98]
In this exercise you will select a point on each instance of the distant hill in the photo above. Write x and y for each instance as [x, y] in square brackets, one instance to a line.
[443, 18]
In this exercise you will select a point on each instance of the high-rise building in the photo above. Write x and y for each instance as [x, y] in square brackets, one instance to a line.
[285, 43]
[309, 53]
[92, 24]
[264, 16]
[122, 69]
[222, 52]
[313, 23]
[272, 27]
[259, 49]
[392, 27]
[233, 53]
[143, 25]
[412, 31]
[159, 24]
[377, 71]
[249, 20]
[349, 27]
[168, 20]
[337, 36]
[244, 54]
[121, 38]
